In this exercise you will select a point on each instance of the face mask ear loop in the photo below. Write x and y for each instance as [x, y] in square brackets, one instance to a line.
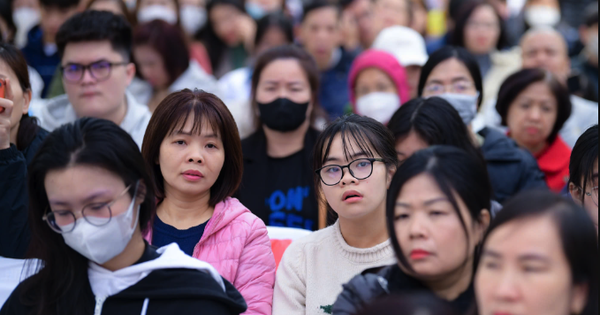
[137, 217]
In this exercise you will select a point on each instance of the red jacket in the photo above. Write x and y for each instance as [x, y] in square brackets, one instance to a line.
[554, 162]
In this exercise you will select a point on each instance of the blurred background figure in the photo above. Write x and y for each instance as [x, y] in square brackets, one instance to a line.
[41, 51]
[117, 7]
[319, 33]
[408, 304]
[228, 35]
[539, 256]
[257, 9]
[388, 13]
[25, 15]
[585, 64]
[408, 46]
[534, 106]
[357, 21]
[583, 170]
[161, 53]
[377, 85]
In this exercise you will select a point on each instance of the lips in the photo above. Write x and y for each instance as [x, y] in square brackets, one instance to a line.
[352, 196]
[418, 254]
[192, 175]
[531, 130]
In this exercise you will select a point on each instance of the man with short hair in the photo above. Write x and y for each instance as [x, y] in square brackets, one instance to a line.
[41, 52]
[585, 65]
[544, 47]
[388, 13]
[95, 47]
[319, 33]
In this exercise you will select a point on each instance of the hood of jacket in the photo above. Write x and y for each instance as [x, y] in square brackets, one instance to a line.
[59, 110]
[225, 212]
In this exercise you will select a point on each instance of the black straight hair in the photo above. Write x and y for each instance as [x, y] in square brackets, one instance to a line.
[6, 14]
[59, 4]
[583, 157]
[313, 5]
[274, 20]
[359, 134]
[575, 228]
[435, 121]
[95, 25]
[413, 303]
[460, 54]
[454, 171]
[61, 279]
[517, 82]
[28, 126]
[466, 10]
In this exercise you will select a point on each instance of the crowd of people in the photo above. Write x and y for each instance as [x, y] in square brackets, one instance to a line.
[288, 157]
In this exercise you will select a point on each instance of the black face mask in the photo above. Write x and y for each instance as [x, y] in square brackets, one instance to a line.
[283, 114]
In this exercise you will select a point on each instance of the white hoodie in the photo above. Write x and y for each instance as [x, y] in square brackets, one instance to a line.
[59, 111]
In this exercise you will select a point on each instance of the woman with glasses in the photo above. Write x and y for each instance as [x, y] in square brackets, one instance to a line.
[539, 256]
[452, 74]
[534, 106]
[91, 197]
[20, 138]
[354, 161]
[437, 213]
[583, 169]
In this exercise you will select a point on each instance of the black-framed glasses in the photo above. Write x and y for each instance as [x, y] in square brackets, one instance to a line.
[97, 214]
[594, 194]
[360, 169]
[99, 70]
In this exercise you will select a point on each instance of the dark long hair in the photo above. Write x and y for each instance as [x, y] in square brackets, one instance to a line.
[370, 136]
[28, 126]
[576, 231]
[435, 121]
[583, 157]
[60, 285]
[462, 55]
[454, 170]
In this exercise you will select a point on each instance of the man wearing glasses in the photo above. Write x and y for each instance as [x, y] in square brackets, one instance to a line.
[96, 69]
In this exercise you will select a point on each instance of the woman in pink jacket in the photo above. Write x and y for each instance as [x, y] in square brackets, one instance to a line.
[193, 144]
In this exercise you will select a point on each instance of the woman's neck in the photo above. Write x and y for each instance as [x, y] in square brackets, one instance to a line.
[184, 211]
[533, 149]
[130, 255]
[453, 284]
[14, 131]
[366, 231]
[283, 144]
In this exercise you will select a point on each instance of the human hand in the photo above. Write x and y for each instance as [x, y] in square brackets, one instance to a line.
[6, 108]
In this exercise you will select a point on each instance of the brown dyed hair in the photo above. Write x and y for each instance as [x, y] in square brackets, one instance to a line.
[130, 17]
[307, 63]
[172, 114]
[169, 41]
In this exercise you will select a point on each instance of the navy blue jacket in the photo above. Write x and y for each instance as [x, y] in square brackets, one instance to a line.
[334, 96]
[37, 58]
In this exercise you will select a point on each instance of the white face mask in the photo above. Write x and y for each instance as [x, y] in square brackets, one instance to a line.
[25, 19]
[192, 18]
[103, 243]
[378, 105]
[157, 12]
[539, 15]
[465, 105]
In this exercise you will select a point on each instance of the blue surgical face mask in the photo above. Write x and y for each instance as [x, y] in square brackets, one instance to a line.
[465, 105]
[255, 10]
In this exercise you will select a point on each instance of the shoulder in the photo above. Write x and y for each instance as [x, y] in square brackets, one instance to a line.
[235, 212]
[313, 241]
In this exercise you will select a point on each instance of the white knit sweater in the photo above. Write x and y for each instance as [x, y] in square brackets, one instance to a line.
[313, 269]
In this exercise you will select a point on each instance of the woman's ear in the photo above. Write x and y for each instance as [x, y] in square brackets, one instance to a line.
[141, 192]
[390, 174]
[26, 101]
[482, 224]
[576, 193]
[579, 298]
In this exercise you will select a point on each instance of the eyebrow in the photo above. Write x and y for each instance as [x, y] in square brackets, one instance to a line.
[534, 257]
[353, 157]
[189, 133]
[426, 203]
[87, 199]
[491, 253]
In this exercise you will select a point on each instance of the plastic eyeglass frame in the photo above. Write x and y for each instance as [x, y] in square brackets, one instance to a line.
[372, 160]
[589, 194]
[45, 217]
[89, 69]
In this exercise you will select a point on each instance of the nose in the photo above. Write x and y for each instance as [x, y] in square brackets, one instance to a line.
[535, 113]
[416, 227]
[195, 154]
[87, 77]
[507, 287]
[347, 178]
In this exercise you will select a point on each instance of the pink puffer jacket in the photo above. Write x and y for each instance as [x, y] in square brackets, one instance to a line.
[236, 243]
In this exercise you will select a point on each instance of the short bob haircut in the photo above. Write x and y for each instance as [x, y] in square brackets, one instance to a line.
[583, 157]
[454, 171]
[574, 227]
[516, 83]
[435, 121]
[306, 62]
[276, 21]
[466, 10]
[460, 54]
[62, 276]
[359, 134]
[169, 42]
[171, 115]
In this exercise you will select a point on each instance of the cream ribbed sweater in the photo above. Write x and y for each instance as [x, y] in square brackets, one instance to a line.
[313, 269]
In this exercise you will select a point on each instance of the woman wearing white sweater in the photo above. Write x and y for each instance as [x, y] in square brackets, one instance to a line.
[355, 160]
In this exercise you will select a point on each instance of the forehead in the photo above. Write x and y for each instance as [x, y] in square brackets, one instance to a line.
[538, 90]
[485, 12]
[283, 70]
[449, 70]
[7, 72]
[191, 124]
[544, 40]
[324, 15]
[347, 148]
[75, 182]
[91, 51]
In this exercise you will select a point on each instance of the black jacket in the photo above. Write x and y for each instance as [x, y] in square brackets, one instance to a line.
[511, 169]
[368, 286]
[162, 291]
[14, 230]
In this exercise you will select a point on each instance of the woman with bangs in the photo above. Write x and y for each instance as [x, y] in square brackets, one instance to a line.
[354, 160]
[193, 144]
